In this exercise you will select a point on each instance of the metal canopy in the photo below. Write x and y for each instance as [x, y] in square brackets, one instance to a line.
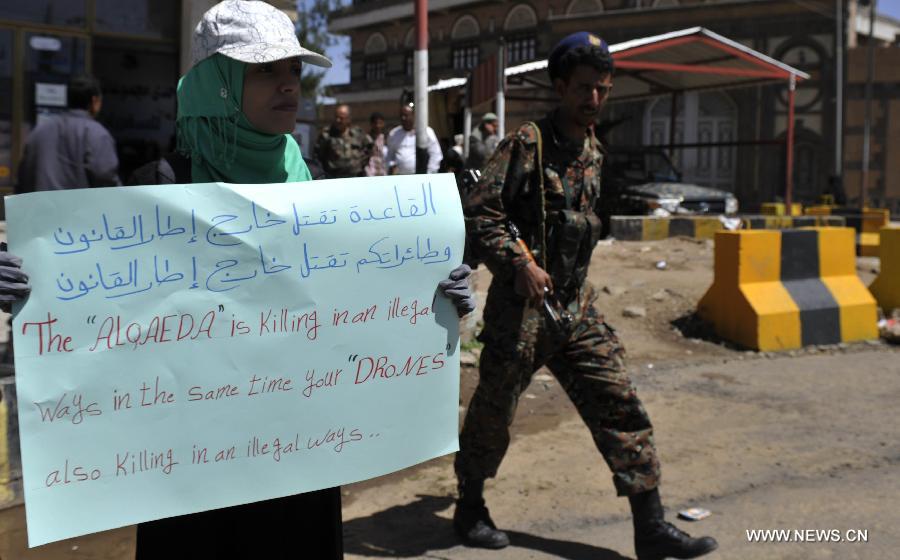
[687, 60]
[692, 59]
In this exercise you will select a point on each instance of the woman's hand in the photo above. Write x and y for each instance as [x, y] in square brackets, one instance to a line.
[456, 287]
[13, 282]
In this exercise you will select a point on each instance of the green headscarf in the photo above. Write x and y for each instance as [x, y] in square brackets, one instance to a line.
[221, 142]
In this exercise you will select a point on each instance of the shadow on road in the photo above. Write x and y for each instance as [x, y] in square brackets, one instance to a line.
[414, 530]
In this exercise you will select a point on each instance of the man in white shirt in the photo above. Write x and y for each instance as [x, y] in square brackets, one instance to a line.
[401, 143]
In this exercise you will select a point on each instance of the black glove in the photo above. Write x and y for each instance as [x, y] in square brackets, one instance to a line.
[456, 287]
[13, 282]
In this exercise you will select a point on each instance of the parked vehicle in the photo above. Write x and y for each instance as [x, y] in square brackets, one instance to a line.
[643, 181]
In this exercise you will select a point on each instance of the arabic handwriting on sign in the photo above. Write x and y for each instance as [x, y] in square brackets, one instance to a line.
[224, 278]
[386, 214]
[116, 281]
[379, 257]
[169, 229]
[84, 287]
[430, 254]
[385, 256]
[119, 230]
[137, 230]
[271, 267]
[83, 238]
[269, 222]
[71, 240]
[194, 284]
[221, 237]
[333, 261]
[193, 238]
[168, 277]
[417, 208]
[323, 220]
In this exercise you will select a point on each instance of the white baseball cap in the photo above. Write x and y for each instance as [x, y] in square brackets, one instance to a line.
[249, 31]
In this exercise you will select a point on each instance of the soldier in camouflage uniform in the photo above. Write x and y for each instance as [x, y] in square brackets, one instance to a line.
[531, 219]
[343, 150]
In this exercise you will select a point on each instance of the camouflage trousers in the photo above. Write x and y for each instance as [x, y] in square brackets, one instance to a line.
[587, 360]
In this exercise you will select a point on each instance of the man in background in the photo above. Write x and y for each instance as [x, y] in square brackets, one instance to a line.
[376, 165]
[482, 142]
[70, 149]
[453, 160]
[401, 143]
[342, 149]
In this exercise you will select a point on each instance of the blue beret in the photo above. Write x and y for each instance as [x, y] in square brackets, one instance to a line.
[573, 41]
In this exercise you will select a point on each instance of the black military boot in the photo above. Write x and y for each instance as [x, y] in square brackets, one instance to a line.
[655, 539]
[472, 521]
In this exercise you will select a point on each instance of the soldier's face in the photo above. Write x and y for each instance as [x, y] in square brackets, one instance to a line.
[271, 95]
[490, 127]
[342, 118]
[378, 126]
[584, 94]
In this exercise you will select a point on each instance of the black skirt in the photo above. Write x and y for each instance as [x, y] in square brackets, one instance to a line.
[302, 527]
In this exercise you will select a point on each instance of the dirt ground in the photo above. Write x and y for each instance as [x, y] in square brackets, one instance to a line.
[799, 440]
[804, 439]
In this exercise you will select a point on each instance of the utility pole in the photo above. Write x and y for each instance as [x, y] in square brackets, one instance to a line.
[420, 61]
[501, 89]
[467, 118]
[867, 127]
[839, 27]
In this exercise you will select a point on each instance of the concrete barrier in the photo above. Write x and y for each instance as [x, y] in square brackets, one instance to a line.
[778, 290]
[867, 223]
[780, 209]
[821, 210]
[886, 287]
[651, 228]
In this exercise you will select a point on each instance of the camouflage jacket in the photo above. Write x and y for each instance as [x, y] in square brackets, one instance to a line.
[343, 155]
[509, 191]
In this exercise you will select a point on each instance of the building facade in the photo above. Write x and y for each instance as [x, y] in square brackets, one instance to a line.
[884, 166]
[132, 46]
[750, 123]
[136, 48]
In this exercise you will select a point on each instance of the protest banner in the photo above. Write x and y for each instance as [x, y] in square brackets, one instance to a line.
[190, 347]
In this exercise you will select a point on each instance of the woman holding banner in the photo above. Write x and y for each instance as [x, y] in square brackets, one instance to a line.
[236, 110]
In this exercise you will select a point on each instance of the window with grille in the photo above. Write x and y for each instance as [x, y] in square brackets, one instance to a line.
[465, 58]
[521, 49]
[376, 70]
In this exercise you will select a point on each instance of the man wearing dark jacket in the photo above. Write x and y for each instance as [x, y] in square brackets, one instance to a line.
[482, 142]
[70, 150]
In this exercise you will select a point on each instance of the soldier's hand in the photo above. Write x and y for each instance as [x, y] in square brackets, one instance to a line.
[530, 283]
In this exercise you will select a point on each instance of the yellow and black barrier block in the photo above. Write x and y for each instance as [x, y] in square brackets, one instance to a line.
[867, 223]
[871, 222]
[780, 209]
[652, 228]
[778, 290]
[886, 287]
[821, 210]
